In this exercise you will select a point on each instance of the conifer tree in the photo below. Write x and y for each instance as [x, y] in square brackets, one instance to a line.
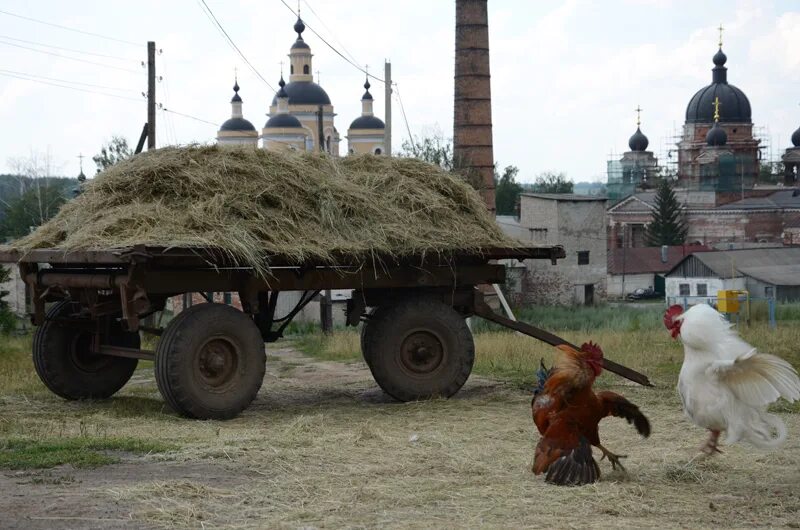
[668, 226]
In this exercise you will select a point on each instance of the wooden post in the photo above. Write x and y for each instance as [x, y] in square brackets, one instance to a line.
[151, 95]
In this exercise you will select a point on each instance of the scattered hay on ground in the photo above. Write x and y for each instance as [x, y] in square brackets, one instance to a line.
[255, 204]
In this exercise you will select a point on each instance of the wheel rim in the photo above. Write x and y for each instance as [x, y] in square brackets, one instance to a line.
[421, 353]
[217, 363]
[81, 353]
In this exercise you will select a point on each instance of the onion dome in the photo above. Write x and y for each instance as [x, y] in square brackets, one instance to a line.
[236, 121]
[367, 95]
[304, 93]
[638, 142]
[299, 27]
[284, 121]
[716, 137]
[796, 138]
[367, 122]
[732, 99]
[236, 97]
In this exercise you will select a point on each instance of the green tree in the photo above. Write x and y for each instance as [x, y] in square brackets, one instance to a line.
[114, 151]
[434, 149]
[507, 191]
[668, 226]
[549, 182]
[33, 208]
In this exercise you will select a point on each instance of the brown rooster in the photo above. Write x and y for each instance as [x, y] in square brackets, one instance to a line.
[567, 412]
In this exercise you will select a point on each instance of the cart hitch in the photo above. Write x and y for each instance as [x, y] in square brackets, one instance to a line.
[482, 309]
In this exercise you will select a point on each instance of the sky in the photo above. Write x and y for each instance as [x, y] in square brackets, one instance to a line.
[566, 76]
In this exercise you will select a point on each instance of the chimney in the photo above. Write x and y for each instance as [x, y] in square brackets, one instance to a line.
[472, 104]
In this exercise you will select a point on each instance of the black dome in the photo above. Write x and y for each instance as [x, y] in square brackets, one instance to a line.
[734, 105]
[796, 138]
[237, 124]
[638, 142]
[305, 93]
[283, 121]
[716, 137]
[367, 122]
[300, 44]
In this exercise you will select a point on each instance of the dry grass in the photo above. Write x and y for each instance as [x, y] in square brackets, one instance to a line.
[251, 205]
[321, 447]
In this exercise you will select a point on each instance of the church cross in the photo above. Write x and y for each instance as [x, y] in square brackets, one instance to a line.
[716, 104]
[318, 78]
[638, 115]
[721, 29]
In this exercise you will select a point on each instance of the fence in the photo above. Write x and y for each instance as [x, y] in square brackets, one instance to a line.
[749, 308]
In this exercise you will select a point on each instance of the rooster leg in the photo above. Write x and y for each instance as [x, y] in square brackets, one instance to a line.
[710, 447]
[614, 459]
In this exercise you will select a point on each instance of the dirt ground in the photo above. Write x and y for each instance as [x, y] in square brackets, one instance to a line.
[323, 447]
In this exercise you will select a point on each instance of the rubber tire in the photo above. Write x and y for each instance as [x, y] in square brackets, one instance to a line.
[366, 330]
[176, 357]
[389, 327]
[57, 368]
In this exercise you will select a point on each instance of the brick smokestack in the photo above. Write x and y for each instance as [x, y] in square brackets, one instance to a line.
[472, 105]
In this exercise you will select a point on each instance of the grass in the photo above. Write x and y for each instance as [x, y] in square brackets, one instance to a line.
[514, 357]
[80, 452]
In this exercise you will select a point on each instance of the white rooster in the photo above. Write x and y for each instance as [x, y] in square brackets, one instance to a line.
[725, 384]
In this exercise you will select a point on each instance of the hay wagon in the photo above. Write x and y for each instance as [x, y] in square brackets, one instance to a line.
[210, 358]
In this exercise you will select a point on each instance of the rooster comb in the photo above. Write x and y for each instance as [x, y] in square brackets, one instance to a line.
[591, 348]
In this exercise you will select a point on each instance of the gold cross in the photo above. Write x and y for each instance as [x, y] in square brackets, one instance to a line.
[720, 28]
[716, 104]
[638, 115]
[281, 63]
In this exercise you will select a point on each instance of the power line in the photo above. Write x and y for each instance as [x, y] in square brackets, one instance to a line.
[354, 65]
[403, 110]
[233, 44]
[331, 32]
[69, 87]
[68, 57]
[68, 49]
[187, 116]
[66, 81]
[69, 29]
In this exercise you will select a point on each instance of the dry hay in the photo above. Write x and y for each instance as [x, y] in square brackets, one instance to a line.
[253, 204]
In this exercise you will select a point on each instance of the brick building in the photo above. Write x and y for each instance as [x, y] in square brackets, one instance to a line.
[719, 220]
[577, 222]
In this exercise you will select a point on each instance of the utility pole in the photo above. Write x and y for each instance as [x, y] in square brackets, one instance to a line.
[151, 95]
[387, 140]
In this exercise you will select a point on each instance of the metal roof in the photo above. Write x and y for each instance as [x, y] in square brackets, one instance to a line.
[566, 196]
[779, 266]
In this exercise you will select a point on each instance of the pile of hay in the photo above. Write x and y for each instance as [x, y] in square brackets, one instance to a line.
[255, 204]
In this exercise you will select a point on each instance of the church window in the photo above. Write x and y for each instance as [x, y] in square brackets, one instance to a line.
[378, 151]
[305, 68]
[291, 69]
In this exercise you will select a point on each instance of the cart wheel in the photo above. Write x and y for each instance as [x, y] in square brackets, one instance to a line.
[210, 362]
[419, 348]
[65, 363]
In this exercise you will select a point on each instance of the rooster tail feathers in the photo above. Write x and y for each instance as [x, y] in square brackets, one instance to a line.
[575, 468]
[542, 374]
[763, 430]
[616, 405]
